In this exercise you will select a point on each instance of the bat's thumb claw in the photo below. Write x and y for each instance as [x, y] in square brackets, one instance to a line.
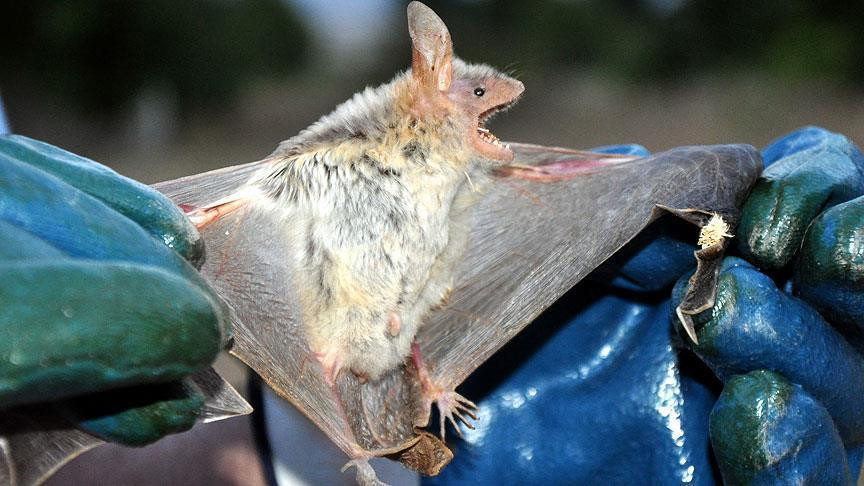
[365, 474]
[687, 323]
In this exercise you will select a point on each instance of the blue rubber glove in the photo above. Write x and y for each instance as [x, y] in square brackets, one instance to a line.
[98, 294]
[597, 392]
[793, 404]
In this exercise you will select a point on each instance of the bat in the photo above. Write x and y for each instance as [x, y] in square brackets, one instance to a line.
[376, 259]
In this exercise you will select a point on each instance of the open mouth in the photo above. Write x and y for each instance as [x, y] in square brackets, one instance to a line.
[486, 142]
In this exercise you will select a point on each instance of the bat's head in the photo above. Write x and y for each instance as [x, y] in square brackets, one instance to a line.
[467, 95]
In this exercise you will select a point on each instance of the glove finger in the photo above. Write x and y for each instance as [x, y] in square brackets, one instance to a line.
[70, 327]
[765, 430]
[790, 193]
[753, 325]
[135, 416]
[138, 202]
[17, 244]
[830, 275]
[82, 226]
[806, 138]
[74, 222]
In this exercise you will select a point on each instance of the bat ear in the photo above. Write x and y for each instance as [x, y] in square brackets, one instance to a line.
[431, 47]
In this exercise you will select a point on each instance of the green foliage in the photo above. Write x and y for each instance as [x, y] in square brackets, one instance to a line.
[100, 53]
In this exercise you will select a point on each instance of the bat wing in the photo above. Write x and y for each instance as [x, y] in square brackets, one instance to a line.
[536, 228]
[535, 234]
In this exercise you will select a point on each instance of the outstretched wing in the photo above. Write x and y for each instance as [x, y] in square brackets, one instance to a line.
[537, 233]
[536, 228]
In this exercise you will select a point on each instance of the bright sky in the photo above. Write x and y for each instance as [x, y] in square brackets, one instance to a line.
[349, 29]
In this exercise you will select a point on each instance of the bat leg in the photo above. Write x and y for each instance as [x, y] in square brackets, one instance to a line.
[331, 361]
[202, 217]
[365, 474]
[451, 405]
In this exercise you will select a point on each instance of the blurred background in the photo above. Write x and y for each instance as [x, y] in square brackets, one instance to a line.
[158, 88]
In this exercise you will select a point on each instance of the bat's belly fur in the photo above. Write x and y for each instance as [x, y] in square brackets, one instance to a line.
[371, 257]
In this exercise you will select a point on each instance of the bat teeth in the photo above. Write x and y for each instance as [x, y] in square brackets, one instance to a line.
[487, 136]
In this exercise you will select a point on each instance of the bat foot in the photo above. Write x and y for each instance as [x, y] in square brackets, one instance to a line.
[365, 474]
[452, 407]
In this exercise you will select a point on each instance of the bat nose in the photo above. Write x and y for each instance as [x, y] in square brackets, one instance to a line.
[519, 87]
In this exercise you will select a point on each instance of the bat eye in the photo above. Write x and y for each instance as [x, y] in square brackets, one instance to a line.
[479, 91]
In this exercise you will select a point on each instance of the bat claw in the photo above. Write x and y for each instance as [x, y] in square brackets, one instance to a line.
[465, 404]
[458, 415]
[453, 408]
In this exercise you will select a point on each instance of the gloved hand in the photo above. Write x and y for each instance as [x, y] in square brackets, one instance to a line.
[101, 310]
[598, 391]
[793, 401]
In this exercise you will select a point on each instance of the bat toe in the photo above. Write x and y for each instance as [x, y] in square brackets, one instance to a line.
[454, 408]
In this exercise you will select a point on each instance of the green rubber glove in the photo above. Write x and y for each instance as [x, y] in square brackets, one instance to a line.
[807, 171]
[101, 309]
[790, 351]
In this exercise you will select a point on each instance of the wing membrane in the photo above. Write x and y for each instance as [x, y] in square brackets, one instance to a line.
[534, 235]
